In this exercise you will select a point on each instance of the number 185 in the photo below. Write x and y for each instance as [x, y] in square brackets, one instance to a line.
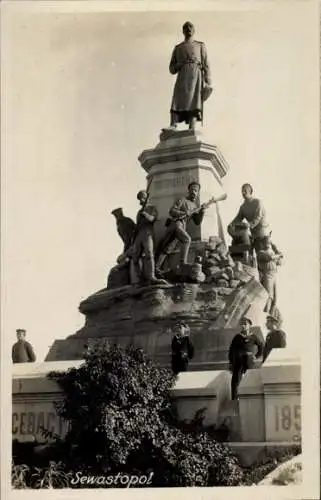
[287, 417]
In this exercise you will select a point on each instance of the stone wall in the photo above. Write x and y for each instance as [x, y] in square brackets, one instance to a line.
[268, 414]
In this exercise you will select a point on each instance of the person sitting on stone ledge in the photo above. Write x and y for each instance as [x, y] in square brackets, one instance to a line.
[253, 212]
[268, 260]
[276, 338]
[22, 351]
[182, 210]
[182, 347]
[244, 351]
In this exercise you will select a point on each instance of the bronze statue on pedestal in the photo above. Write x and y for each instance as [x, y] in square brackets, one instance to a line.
[193, 84]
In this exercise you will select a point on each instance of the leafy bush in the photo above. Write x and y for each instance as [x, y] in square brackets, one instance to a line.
[19, 475]
[118, 404]
[53, 475]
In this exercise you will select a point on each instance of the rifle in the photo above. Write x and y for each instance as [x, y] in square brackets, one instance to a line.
[220, 225]
[144, 204]
[148, 193]
[196, 210]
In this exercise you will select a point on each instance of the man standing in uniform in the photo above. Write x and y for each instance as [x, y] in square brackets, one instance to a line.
[244, 349]
[144, 241]
[193, 83]
[276, 338]
[22, 351]
[251, 214]
[180, 213]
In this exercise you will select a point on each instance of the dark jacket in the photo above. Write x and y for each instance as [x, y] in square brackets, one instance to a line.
[182, 351]
[274, 340]
[22, 352]
[243, 350]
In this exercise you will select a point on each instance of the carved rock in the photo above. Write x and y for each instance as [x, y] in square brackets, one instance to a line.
[143, 316]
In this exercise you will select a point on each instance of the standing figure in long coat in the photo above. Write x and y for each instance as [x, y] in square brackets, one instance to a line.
[193, 83]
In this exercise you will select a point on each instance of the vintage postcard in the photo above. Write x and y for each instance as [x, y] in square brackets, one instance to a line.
[160, 249]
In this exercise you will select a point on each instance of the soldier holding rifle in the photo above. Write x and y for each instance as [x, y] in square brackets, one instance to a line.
[183, 210]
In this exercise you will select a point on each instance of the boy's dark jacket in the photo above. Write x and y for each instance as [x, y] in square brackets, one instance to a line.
[182, 351]
[244, 347]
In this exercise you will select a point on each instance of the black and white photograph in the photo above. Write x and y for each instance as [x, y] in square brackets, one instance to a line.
[160, 204]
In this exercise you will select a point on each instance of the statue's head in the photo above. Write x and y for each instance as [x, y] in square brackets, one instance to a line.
[188, 29]
[193, 190]
[118, 213]
[247, 191]
[142, 196]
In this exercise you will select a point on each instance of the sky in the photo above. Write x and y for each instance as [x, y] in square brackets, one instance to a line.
[83, 94]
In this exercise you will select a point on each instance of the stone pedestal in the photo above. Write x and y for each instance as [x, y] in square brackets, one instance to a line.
[179, 158]
[144, 316]
[270, 400]
[205, 390]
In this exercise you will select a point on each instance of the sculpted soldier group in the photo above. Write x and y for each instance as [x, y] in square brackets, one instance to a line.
[142, 264]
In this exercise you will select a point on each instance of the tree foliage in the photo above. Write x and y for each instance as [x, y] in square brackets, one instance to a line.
[119, 407]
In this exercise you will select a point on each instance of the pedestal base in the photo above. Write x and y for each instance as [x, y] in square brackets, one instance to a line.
[145, 317]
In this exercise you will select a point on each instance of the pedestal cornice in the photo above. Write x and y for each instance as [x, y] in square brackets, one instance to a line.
[177, 146]
[198, 151]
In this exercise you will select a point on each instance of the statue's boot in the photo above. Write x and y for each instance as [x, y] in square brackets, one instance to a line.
[160, 261]
[150, 273]
[156, 281]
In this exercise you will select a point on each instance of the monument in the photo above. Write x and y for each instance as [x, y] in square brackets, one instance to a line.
[175, 264]
[178, 287]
